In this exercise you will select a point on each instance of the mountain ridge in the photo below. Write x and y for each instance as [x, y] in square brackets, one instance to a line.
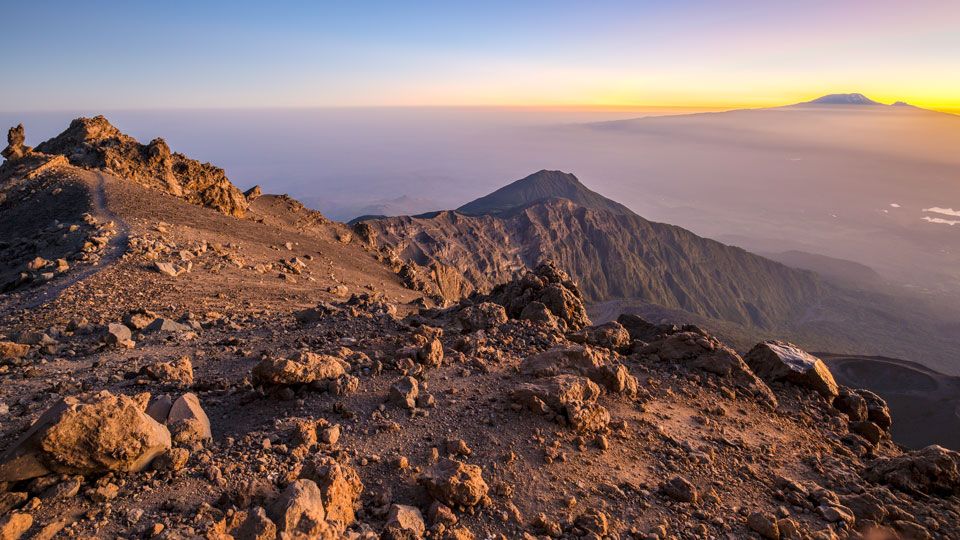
[611, 253]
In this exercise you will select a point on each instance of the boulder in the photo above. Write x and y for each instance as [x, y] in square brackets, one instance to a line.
[178, 371]
[87, 434]
[340, 488]
[585, 416]
[695, 348]
[306, 368]
[166, 325]
[187, 420]
[538, 313]
[764, 524]
[158, 408]
[404, 523]
[868, 430]
[254, 525]
[611, 335]
[454, 483]
[116, 333]
[557, 391]
[779, 361]
[404, 392]
[680, 489]
[933, 470]
[642, 330]
[299, 509]
[587, 361]
[172, 460]
[14, 525]
[482, 316]
[167, 269]
[877, 410]
[9, 349]
[851, 403]
[431, 353]
[547, 285]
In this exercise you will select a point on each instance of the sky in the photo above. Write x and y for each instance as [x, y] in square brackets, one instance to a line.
[238, 54]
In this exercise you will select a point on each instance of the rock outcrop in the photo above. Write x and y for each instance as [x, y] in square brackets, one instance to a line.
[693, 347]
[15, 148]
[96, 144]
[548, 286]
[933, 470]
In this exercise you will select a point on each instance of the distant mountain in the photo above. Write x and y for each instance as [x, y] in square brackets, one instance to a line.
[610, 251]
[539, 187]
[842, 99]
[831, 268]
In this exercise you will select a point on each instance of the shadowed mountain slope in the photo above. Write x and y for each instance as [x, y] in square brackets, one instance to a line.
[610, 251]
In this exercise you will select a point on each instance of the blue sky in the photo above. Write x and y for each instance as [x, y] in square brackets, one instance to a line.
[255, 54]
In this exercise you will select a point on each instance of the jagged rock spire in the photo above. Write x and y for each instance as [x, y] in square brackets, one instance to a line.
[15, 148]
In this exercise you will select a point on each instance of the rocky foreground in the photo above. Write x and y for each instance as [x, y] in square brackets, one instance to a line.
[199, 375]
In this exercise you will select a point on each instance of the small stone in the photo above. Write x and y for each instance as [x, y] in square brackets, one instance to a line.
[680, 489]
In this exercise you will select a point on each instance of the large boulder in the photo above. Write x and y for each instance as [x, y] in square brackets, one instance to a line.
[299, 509]
[598, 366]
[87, 434]
[454, 483]
[177, 372]
[932, 471]
[306, 368]
[557, 391]
[187, 420]
[642, 330]
[9, 349]
[611, 335]
[340, 488]
[482, 316]
[778, 361]
[877, 410]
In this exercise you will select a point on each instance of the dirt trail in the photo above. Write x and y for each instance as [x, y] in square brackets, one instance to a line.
[111, 253]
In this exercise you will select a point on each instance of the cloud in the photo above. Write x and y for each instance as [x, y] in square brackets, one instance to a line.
[944, 211]
[950, 222]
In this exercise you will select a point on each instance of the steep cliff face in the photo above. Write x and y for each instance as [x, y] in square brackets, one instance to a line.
[96, 144]
[611, 255]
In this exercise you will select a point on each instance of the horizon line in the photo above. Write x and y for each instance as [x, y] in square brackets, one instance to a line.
[572, 107]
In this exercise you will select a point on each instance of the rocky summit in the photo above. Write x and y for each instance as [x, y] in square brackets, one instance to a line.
[179, 360]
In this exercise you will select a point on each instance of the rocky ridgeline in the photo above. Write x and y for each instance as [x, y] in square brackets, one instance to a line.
[93, 143]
